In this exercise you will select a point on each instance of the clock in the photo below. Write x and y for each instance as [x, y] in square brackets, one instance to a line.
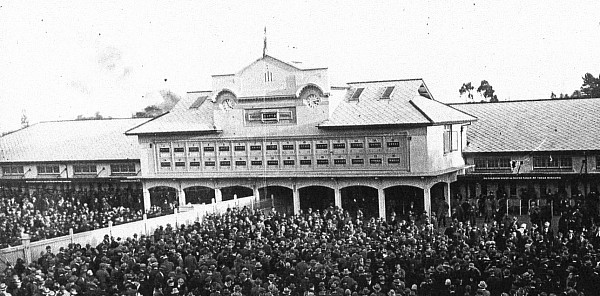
[312, 100]
[227, 104]
[226, 100]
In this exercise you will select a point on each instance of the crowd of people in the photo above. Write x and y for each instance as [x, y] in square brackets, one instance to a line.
[48, 213]
[329, 252]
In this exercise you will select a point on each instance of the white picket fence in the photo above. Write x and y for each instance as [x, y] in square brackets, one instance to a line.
[188, 215]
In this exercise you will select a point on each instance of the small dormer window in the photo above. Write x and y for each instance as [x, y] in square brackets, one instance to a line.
[357, 94]
[387, 93]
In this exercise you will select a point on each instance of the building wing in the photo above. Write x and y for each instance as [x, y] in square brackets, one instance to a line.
[75, 140]
[527, 126]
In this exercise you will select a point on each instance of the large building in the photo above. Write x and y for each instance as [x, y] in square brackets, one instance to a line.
[525, 149]
[278, 129]
[76, 154]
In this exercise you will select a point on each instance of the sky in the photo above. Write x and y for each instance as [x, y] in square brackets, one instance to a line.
[61, 59]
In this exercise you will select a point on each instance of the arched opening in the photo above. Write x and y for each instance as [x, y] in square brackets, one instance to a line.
[163, 197]
[227, 193]
[199, 195]
[282, 198]
[316, 197]
[406, 201]
[361, 198]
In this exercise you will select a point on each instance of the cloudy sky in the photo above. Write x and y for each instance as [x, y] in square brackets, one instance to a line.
[59, 59]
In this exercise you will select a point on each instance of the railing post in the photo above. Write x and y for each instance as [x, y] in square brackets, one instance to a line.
[176, 212]
[110, 225]
[25, 241]
[71, 235]
[520, 207]
[145, 219]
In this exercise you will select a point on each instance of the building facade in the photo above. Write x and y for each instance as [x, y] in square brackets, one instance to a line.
[532, 149]
[78, 155]
[278, 129]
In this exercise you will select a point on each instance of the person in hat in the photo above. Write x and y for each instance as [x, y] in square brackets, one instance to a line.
[482, 289]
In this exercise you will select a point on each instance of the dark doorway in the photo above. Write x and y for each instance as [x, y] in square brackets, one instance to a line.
[227, 193]
[404, 201]
[316, 197]
[282, 198]
[199, 195]
[164, 197]
[361, 198]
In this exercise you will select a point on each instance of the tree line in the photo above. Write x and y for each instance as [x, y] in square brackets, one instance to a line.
[590, 88]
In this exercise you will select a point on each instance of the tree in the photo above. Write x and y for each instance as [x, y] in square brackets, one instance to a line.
[170, 99]
[466, 88]
[487, 91]
[591, 86]
[96, 116]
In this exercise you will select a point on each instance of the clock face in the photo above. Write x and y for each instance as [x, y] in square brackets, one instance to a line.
[312, 100]
[227, 101]
[227, 104]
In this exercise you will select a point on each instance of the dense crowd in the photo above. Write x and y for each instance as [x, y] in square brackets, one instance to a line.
[246, 252]
[49, 213]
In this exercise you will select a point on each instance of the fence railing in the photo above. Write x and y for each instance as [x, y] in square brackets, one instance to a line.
[185, 215]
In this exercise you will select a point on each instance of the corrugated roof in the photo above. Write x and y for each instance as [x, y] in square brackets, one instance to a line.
[182, 119]
[404, 107]
[77, 140]
[542, 125]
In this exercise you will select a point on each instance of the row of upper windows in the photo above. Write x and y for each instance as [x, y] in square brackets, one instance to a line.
[271, 147]
[539, 162]
[125, 168]
[274, 162]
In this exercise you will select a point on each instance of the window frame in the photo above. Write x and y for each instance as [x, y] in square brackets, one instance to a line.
[85, 169]
[549, 162]
[45, 169]
[117, 168]
[9, 170]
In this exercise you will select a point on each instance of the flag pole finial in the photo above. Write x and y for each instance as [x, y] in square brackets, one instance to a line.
[265, 43]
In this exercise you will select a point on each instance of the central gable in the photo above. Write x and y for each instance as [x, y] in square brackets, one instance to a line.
[271, 77]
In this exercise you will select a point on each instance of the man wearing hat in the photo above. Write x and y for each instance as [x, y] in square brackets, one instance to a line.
[482, 289]
[347, 282]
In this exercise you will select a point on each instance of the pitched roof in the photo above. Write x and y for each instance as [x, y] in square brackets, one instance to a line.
[76, 140]
[193, 113]
[298, 65]
[406, 105]
[541, 125]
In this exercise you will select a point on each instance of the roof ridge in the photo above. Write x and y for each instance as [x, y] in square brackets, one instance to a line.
[421, 111]
[522, 101]
[391, 80]
[91, 119]
[145, 122]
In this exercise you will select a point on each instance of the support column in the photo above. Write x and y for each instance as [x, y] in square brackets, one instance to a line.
[427, 199]
[147, 203]
[296, 198]
[25, 241]
[447, 196]
[256, 193]
[181, 196]
[218, 195]
[337, 197]
[381, 198]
